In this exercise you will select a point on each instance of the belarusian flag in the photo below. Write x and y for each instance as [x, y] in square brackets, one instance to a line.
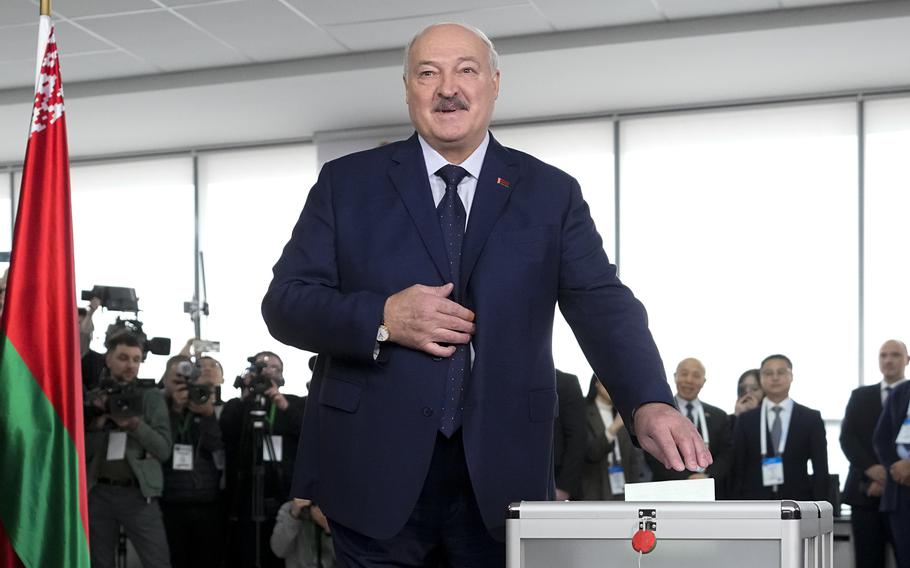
[43, 506]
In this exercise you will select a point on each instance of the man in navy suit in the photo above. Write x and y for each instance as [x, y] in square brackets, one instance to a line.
[892, 444]
[425, 273]
[867, 476]
[774, 443]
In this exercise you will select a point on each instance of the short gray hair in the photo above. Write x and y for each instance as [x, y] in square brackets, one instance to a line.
[494, 57]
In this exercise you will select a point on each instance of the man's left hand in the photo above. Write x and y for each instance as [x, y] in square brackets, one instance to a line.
[670, 437]
[900, 471]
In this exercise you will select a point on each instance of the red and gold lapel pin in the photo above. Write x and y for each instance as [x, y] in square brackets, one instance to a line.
[502, 182]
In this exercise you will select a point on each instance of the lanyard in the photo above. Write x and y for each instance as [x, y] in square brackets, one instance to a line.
[702, 424]
[271, 417]
[185, 426]
[765, 408]
[615, 457]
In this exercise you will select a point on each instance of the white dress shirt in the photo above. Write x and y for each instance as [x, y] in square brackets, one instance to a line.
[883, 385]
[785, 414]
[468, 185]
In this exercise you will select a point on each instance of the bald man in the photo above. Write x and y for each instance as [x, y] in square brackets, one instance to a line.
[866, 479]
[712, 423]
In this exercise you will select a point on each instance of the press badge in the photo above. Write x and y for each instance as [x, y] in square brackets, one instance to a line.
[617, 480]
[903, 437]
[276, 448]
[116, 446]
[183, 457]
[772, 471]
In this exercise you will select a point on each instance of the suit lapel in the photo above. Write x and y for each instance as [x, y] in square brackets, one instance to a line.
[499, 177]
[409, 176]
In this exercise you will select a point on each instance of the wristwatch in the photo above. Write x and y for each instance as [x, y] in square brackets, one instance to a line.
[382, 334]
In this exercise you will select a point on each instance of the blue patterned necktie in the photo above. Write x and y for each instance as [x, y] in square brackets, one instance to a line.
[452, 218]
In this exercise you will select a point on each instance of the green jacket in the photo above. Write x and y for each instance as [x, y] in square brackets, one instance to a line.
[146, 447]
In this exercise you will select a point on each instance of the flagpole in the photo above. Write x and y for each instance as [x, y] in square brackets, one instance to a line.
[45, 8]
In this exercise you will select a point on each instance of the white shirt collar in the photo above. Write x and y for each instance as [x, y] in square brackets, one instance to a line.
[786, 405]
[683, 402]
[883, 385]
[472, 164]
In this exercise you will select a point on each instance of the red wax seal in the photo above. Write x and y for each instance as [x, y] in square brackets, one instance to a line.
[644, 541]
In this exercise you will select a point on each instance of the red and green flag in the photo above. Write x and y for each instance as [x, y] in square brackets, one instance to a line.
[43, 500]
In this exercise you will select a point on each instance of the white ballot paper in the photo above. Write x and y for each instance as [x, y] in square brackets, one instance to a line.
[682, 490]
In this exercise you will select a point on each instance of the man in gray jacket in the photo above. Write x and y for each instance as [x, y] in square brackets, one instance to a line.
[128, 435]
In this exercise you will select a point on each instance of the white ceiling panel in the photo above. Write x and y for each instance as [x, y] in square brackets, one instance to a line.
[804, 3]
[495, 22]
[165, 41]
[19, 42]
[364, 11]
[17, 73]
[264, 30]
[112, 63]
[178, 3]
[18, 12]
[597, 13]
[72, 38]
[679, 9]
[79, 8]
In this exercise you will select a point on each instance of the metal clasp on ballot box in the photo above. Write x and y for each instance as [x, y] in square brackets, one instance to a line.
[745, 534]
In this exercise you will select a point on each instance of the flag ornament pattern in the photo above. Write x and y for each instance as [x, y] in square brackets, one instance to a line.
[49, 92]
[43, 498]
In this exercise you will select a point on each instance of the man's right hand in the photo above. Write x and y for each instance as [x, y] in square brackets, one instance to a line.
[423, 318]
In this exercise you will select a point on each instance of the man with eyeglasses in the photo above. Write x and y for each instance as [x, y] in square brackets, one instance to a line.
[774, 443]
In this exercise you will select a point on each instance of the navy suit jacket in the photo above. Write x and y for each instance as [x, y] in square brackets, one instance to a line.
[806, 440]
[896, 496]
[369, 229]
[860, 418]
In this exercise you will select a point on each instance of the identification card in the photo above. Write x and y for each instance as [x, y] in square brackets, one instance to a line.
[116, 446]
[903, 437]
[617, 480]
[275, 449]
[183, 457]
[772, 471]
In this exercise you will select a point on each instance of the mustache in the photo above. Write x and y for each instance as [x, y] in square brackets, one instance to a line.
[450, 104]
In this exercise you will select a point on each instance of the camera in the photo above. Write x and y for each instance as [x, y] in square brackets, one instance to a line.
[156, 345]
[114, 298]
[124, 400]
[259, 381]
[190, 371]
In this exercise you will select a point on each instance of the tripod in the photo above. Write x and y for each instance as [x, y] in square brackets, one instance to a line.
[260, 443]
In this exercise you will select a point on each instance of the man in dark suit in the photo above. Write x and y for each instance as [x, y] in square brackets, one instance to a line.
[773, 444]
[569, 437]
[866, 478]
[892, 444]
[712, 424]
[434, 395]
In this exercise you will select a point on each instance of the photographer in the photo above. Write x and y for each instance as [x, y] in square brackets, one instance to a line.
[127, 437]
[264, 422]
[191, 503]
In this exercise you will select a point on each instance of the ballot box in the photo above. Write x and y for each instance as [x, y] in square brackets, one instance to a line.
[741, 534]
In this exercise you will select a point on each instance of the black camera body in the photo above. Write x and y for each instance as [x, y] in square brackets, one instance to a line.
[190, 371]
[124, 399]
[155, 345]
[259, 382]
